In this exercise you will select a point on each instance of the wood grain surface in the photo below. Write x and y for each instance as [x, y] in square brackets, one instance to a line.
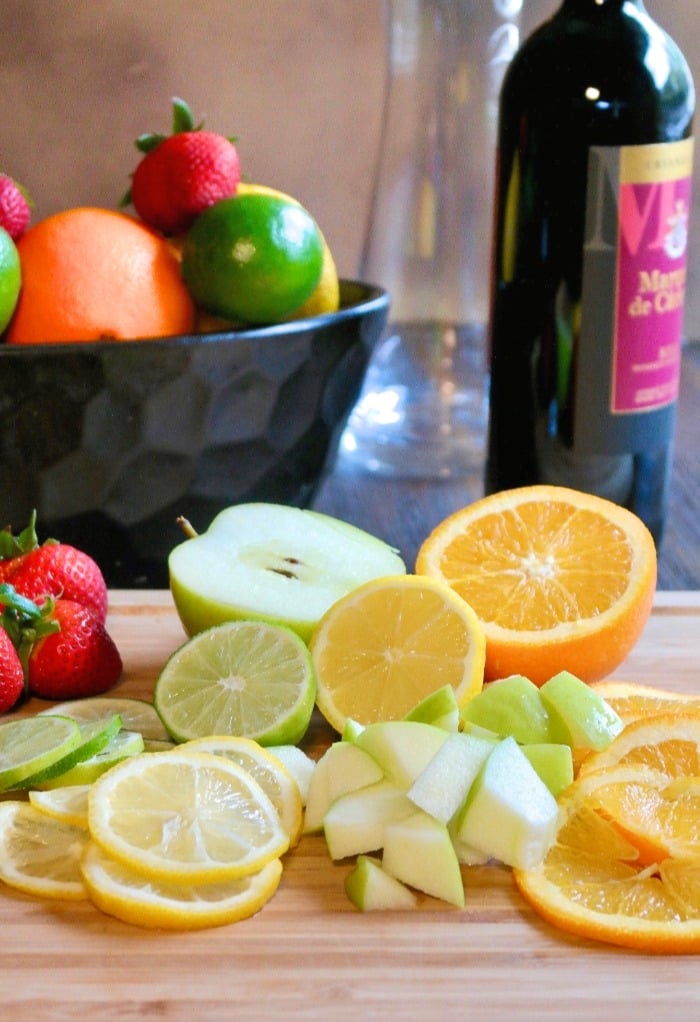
[309, 954]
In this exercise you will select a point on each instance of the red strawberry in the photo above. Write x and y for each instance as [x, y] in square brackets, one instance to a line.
[79, 660]
[57, 569]
[15, 208]
[182, 174]
[11, 673]
[52, 569]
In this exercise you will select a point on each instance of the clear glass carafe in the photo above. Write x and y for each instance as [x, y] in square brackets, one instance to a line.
[423, 408]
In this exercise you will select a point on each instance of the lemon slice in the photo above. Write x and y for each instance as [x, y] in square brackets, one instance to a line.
[136, 714]
[121, 746]
[244, 678]
[185, 817]
[270, 773]
[67, 804]
[40, 855]
[134, 898]
[33, 744]
[94, 736]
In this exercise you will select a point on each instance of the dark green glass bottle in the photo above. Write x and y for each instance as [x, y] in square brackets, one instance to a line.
[589, 257]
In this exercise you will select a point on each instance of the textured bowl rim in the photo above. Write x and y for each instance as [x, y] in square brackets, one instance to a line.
[370, 298]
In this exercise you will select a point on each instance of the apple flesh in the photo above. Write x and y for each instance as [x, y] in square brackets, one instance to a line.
[553, 763]
[275, 563]
[402, 748]
[355, 823]
[300, 765]
[509, 814]
[419, 852]
[439, 708]
[442, 787]
[370, 888]
[512, 707]
[581, 713]
[341, 769]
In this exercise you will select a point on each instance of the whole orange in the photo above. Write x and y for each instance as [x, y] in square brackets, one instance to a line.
[90, 274]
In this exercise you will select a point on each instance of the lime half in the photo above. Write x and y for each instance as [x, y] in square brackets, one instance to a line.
[249, 679]
[33, 744]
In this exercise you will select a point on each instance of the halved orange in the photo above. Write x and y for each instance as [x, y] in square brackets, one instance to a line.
[560, 580]
[669, 743]
[601, 878]
[633, 701]
[388, 644]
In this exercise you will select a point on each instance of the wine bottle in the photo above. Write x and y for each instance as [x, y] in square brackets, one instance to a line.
[589, 257]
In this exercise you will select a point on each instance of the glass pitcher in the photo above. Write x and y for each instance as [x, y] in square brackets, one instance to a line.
[423, 408]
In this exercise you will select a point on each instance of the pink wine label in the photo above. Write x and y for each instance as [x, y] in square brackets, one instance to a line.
[654, 210]
[628, 350]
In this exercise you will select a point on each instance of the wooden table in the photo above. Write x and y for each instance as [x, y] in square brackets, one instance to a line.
[403, 511]
[309, 954]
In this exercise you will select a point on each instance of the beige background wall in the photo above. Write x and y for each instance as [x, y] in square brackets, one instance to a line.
[299, 82]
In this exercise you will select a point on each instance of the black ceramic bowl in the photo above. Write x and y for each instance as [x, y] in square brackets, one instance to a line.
[111, 441]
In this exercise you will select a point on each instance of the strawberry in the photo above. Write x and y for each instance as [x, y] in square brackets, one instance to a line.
[11, 673]
[182, 174]
[15, 208]
[79, 660]
[52, 569]
[22, 622]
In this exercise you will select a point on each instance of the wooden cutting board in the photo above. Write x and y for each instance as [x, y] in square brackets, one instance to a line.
[308, 954]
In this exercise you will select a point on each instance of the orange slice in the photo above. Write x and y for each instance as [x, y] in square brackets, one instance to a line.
[388, 644]
[669, 743]
[560, 580]
[600, 879]
[632, 701]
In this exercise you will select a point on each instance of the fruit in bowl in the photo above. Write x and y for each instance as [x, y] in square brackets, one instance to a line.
[217, 404]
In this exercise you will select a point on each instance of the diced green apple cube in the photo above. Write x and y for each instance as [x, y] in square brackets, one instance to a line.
[402, 748]
[299, 764]
[580, 712]
[510, 814]
[342, 768]
[351, 730]
[467, 854]
[442, 787]
[553, 763]
[419, 852]
[355, 823]
[440, 709]
[370, 888]
[512, 707]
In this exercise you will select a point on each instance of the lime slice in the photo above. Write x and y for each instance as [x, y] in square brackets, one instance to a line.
[136, 714]
[94, 736]
[123, 745]
[249, 679]
[32, 744]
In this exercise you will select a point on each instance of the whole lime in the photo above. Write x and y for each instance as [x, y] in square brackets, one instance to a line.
[10, 278]
[252, 258]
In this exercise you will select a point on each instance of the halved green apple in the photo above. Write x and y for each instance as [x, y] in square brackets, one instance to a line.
[270, 562]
